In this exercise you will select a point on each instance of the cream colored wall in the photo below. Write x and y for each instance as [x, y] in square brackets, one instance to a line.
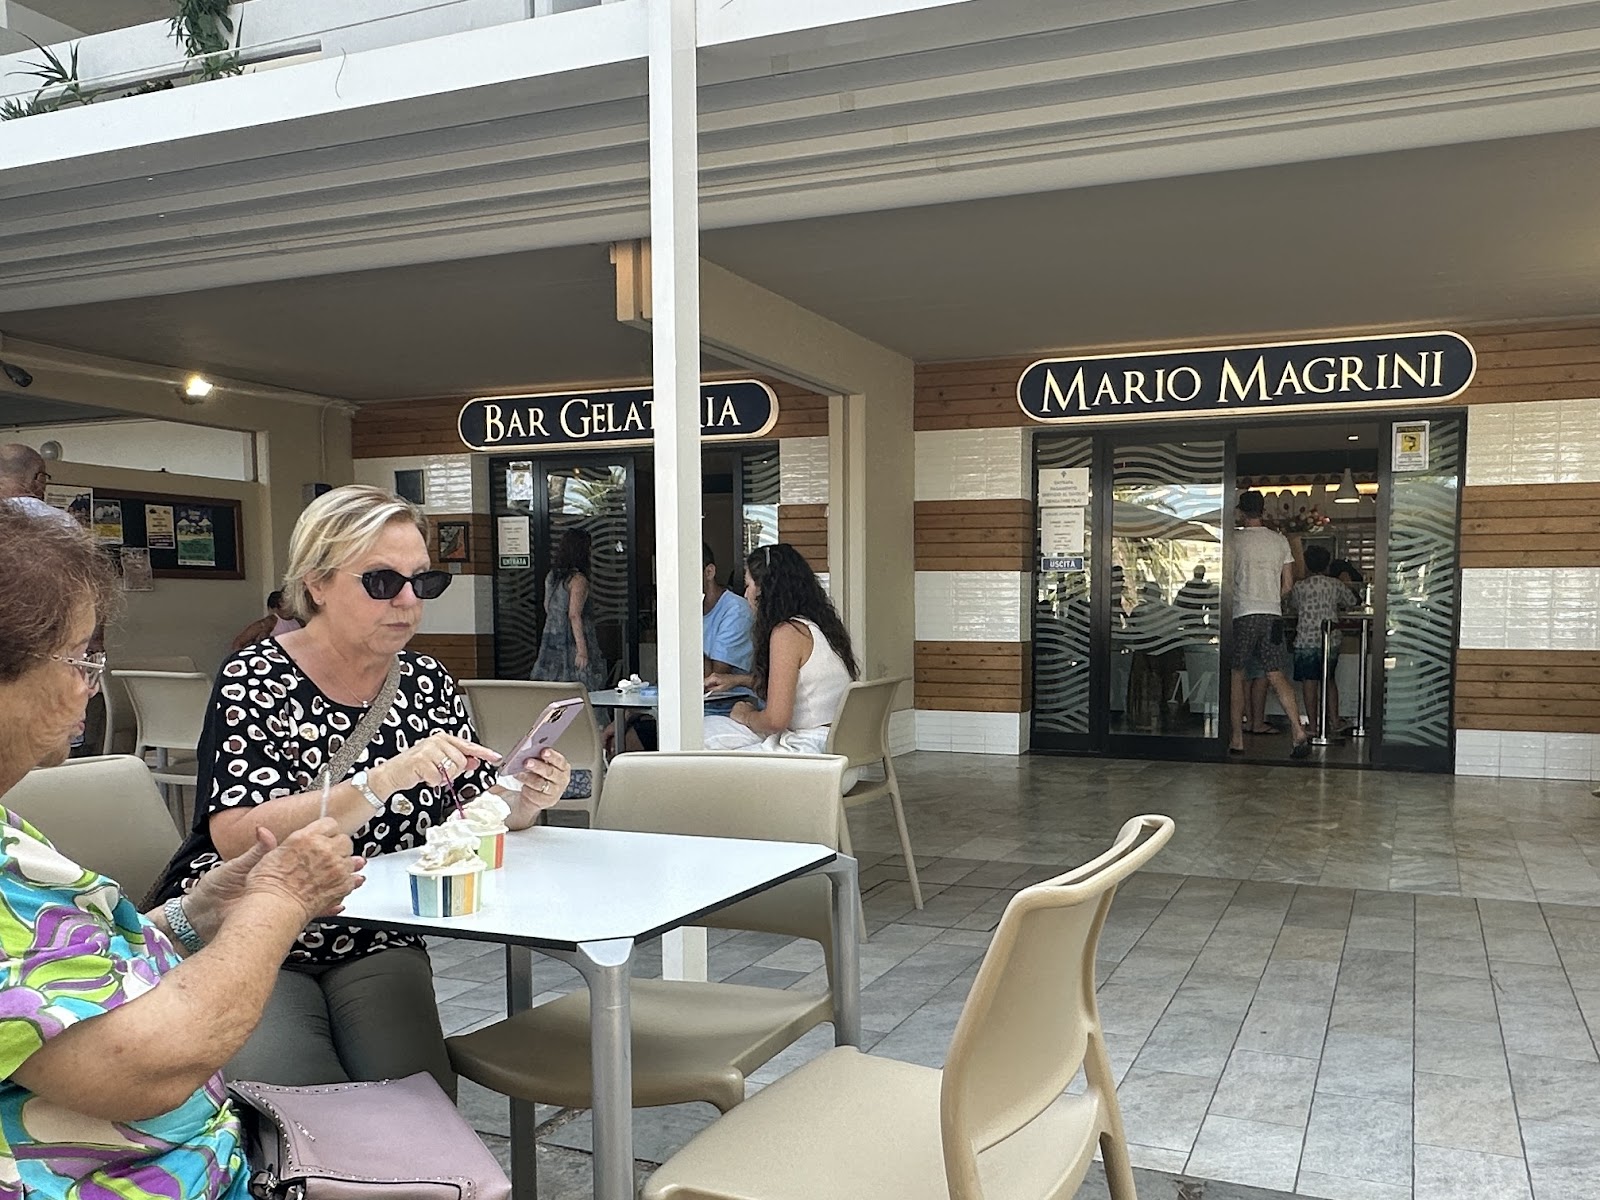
[196, 617]
[301, 438]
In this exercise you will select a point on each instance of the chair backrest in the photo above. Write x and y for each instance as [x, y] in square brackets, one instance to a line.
[769, 797]
[122, 726]
[503, 710]
[170, 707]
[1027, 1022]
[860, 731]
[105, 814]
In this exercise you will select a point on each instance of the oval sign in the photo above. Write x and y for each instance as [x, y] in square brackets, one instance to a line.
[735, 411]
[1405, 368]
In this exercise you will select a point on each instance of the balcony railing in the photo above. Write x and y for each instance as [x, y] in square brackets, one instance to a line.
[265, 33]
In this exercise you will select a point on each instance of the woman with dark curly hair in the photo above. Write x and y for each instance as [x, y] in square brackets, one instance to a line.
[803, 660]
[569, 649]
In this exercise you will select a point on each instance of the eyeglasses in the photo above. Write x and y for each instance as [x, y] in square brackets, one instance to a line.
[91, 666]
[385, 584]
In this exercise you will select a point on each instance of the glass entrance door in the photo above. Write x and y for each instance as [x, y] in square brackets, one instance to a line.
[593, 494]
[1163, 617]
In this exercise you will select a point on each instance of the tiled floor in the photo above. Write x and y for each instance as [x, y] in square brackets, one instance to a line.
[1338, 984]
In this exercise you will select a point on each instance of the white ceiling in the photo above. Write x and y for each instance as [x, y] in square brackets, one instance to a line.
[1462, 235]
[97, 16]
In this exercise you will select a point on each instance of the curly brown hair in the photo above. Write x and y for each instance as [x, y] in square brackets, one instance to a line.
[790, 589]
[53, 570]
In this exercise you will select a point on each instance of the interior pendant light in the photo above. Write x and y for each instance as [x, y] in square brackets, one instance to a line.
[1347, 493]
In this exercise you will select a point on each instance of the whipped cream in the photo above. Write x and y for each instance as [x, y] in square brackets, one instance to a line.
[448, 845]
[485, 815]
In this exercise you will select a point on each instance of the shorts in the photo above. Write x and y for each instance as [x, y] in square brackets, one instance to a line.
[1256, 644]
[1308, 664]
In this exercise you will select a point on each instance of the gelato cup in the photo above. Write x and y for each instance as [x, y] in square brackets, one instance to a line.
[492, 849]
[484, 818]
[452, 891]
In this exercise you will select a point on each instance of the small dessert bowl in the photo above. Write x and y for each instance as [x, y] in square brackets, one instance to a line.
[492, 849]
[455, 890]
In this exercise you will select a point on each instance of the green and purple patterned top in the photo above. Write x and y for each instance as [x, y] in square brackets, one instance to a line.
[73, 948]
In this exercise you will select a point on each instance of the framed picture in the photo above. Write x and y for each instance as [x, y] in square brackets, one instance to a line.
[455, 541]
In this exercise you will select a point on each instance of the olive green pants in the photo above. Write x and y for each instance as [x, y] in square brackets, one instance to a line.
[371, 1018]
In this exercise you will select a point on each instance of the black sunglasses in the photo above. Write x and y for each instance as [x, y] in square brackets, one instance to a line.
[385, 584]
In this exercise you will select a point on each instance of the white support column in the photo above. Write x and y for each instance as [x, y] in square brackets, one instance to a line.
[675, 343]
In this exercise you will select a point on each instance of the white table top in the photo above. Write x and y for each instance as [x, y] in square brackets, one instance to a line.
[612, 698]
[560, 887]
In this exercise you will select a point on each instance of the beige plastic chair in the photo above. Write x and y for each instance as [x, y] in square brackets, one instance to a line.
[170, 709]
[861, 733]
[995, 1124]
[122, 727]
[103, 813]
[691, 1041]
[503, 710]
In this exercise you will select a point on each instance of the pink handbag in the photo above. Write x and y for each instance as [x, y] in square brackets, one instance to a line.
[396, 1139]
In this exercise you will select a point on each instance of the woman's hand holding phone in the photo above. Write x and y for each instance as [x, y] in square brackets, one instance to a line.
[544, 779]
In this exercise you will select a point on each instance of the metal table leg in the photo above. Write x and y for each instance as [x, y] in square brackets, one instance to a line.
[842, 875]
[524, 1140]
[605, 968]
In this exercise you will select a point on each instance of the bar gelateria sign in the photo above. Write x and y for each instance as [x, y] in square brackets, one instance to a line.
[735, 411]
[1406, 368]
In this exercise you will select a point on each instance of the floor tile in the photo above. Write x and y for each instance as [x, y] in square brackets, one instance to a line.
[1283, 1027]
[1339, 1187]
[1252, 1152]
[1359, 1138]
[1354, 1064]
[1274, 1088]
[1163, 1110]
[1466, 1114]
[1458, 1174]
[1556, 1089]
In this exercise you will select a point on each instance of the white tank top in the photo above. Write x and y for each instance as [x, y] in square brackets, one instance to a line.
[820, 689]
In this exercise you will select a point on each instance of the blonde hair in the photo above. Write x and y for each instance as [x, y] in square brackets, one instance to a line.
[335, 528]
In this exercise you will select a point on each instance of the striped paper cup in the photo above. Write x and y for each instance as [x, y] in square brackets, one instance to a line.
[455, 891]
[492, 849]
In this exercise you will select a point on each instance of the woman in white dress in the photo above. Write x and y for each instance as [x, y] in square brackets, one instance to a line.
[803, 660]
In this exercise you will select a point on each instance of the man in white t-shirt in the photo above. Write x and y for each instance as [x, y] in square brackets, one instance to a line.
[22, 479]
[1262, 574]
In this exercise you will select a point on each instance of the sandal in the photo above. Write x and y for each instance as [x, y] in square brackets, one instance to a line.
[1269, 728]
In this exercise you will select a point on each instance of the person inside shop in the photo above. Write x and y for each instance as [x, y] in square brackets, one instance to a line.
[276, 623]
[1262, 575]
[1155, 635]
[569, 648]
[1315, 599]
[23, 476]
[1349, 574]
[1198, 602]
[802, 661]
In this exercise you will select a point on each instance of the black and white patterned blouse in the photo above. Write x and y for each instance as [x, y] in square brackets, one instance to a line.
[271, 729]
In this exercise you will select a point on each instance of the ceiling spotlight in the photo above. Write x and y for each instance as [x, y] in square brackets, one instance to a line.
[195, 389]
[1347, 493]
[17, 375]
[1354, 437]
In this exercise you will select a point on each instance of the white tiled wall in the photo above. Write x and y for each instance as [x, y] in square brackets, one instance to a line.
[902, 731]
[1530, 608]
[803, 470]
[972, 464]
[973, 732]
[973, 606]
[452, 486]
[1515, 754]
[1548, 441]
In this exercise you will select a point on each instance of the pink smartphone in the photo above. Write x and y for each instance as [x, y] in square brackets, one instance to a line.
[546, 732]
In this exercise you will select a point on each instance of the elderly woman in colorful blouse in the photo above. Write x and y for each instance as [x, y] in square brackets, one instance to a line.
[114, 1024]
[350, 1004]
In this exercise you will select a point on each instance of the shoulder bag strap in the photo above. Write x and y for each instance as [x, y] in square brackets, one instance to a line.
[366, 728]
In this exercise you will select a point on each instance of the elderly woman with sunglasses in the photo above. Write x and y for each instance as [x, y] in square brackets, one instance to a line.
[350, 1004]
[114, 1024]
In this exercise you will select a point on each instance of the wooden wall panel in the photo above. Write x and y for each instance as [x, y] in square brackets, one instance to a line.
[406, 427]
[974, 676]
[464, 655]
[974, 535]
[481, 561]
[1547, 691]
[1552, 362]
[805, 527]
[1531, 525]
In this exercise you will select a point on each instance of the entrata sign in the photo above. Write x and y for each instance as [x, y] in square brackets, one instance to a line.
[1406, 368]
[736, 411]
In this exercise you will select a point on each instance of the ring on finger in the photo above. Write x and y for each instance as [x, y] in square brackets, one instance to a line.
[446, 765]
